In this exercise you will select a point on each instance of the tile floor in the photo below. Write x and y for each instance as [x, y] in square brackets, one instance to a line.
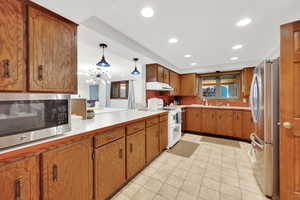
[213, 172]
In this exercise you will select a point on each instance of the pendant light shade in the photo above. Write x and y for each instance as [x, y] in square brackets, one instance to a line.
[103, 62]
[135, 71]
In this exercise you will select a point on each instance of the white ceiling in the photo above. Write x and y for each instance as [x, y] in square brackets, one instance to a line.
[205, 28]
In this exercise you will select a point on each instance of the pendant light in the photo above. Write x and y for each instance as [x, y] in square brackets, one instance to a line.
[135, 71]
[103, 62]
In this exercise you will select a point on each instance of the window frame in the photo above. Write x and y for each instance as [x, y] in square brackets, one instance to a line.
[218, 83]
[118, 83]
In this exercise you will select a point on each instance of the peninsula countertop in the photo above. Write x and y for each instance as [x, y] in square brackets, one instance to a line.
[80, 128]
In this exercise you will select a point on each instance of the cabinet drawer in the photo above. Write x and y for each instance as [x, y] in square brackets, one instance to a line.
[135, 127]
[163, 118]
[109, 136]
[152, 121]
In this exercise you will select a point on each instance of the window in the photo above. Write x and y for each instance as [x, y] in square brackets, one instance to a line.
[226, 86]
[119, 90]
[94, 92]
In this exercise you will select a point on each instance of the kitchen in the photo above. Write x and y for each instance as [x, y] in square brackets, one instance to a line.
[97, 105]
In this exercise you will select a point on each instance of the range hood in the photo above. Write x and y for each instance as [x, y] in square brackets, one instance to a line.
[158, 86]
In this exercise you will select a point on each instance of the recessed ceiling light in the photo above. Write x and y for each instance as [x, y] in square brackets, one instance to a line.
[234, 58]
[147, 12]
[173, 40]
[188, 56]
[236, 47]
[193, 64]
[244, 22]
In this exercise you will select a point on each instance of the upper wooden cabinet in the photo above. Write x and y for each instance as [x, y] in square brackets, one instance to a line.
[193, 119]
[157, 73]
[12, 49]
[19, 180]
[52, 52]
[247, 75]
[67, 172]
[189, 85]
[175, 83]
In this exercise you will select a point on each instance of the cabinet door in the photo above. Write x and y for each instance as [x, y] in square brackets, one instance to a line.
[175, 83]
[52, 53]
[19, 180]
[163, 139]
[166, 76]
[67, 172]
[247, 75]
[248, 125]
[209, 121]
[224, 122]
[237, 124]
[12, 65]
[109, 168]
[136, 153]
[189, 85]
[160, 74]
[194, 119]
[152, 142]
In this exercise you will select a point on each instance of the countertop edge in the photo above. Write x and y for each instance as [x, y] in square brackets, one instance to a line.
[44, 146]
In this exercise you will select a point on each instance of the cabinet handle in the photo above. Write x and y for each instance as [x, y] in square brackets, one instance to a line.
[18, 188]
[6, 64]
[55, 172]
[40, 72]
[121, 153]
[131, 148]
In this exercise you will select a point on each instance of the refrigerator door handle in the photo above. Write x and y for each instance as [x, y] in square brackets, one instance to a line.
[251, 97]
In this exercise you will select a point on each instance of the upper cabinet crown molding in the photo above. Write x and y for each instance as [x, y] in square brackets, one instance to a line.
[40, 42]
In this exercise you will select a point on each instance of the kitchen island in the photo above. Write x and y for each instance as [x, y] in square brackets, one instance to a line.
[93, 160]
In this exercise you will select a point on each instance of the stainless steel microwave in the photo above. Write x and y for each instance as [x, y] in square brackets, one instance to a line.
[29, 117]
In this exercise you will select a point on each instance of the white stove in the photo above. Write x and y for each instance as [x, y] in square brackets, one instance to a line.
[174, 125]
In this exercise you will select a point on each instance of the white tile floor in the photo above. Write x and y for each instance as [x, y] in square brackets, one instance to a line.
[213, 172]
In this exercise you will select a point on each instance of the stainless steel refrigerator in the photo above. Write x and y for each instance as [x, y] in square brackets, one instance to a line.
[264, 103]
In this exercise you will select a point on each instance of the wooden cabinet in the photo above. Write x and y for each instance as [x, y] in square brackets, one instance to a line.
[157, 73]
[136, 153]
[248, 125]
[52, 52]
[19, 180]
[12, 61]
[224, 122]
[166, 76]
[175, 83]
[163, 139]
[109, 168]
[247, 75]
[237, 124]
[67, 172]
[152, 142]
[189, 85]
[209, 121]
[193, 119]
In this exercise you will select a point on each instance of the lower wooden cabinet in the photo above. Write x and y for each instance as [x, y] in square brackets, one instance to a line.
[67, 172]
[209, 121]
[19, 180]
[224, 122]
[237, 124]
[109, 168]
[152, 142]
[163, 139]
[248, 125]
[136, 153]
[193, 119]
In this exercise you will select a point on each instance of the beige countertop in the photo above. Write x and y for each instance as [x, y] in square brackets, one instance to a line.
[80, 127]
